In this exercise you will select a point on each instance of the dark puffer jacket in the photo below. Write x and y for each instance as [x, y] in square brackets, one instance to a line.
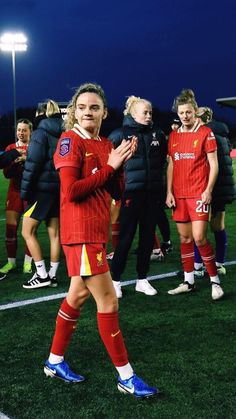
[39, 173]
[224, 189]
[145, 169]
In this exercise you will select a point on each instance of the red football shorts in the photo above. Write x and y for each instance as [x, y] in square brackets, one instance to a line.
[86, 259]
[190, 209]
[14, 202]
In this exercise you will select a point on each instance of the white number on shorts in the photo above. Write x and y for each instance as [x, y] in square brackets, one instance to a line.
[202, 207]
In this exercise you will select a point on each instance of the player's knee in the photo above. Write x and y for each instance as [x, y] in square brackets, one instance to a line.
[185, 239]
[200, 241]
[108, 304]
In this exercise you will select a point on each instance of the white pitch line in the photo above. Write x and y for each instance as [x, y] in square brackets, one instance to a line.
[62, 295]
[31, 301]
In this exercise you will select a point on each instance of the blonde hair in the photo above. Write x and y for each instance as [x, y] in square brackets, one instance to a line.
[185, 97]
[131, 102]
[51, 108]
[84, 88]
[205, 114]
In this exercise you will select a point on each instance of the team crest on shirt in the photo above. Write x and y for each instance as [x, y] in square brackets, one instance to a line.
[195, 143]
[99, 259]
[64, 147]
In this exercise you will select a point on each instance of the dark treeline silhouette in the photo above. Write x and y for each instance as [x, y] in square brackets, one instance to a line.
[114, 120]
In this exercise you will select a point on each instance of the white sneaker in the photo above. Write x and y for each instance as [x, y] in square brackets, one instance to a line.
[221, 270]
[142, 285]
[117, 287]
[157, 255]
[216, 291]
[109, 256]
[199, 273]
[182, 288]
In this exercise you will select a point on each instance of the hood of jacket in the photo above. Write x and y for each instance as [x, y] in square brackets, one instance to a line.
[218, 128]
[53, 125]
[129, 122]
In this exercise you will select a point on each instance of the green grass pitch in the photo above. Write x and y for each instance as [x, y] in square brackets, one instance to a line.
[185, 345]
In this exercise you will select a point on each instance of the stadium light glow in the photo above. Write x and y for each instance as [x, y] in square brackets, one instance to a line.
[13, 42]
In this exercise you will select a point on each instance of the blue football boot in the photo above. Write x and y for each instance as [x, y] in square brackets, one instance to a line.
[62, 371]
[135, 386]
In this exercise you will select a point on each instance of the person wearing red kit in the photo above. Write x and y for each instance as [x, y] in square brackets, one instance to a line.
[89, 170]
[191, 175]
[15, 205]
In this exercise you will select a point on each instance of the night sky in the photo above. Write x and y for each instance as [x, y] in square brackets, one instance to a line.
[149, 48]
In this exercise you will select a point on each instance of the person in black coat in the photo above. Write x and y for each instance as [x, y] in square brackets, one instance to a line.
[224, 191]
[143, 195]
[40, 187]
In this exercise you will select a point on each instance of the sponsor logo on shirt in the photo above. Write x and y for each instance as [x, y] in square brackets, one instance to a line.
[184, 156]
[64, 147]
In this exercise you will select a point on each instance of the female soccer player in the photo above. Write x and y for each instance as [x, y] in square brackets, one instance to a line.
[15, 205]
[191, 175]
[88, 169]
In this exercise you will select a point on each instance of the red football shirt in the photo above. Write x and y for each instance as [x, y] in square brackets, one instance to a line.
[85, 206]
[188, 151]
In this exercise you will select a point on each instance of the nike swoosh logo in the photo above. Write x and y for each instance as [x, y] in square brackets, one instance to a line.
[51, 370]
[201, 215]
[115, 334]
[127, 389]
[174, 145]
[130, 136]
[88, 154]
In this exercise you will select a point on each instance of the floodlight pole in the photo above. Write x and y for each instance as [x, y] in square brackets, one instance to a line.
[13, 42]
[13, 55]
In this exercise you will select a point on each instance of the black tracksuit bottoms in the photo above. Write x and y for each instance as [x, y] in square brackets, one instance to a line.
[138, 209]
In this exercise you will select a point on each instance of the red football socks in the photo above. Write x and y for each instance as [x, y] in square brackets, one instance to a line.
[108, 326]
[11, 240]
[65, 326]
[187, 256]
[208, 257]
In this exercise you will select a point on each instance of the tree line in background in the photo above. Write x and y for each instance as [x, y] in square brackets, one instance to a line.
[113, 121]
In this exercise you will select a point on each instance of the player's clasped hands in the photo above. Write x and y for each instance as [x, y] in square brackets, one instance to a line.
[122, 153]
